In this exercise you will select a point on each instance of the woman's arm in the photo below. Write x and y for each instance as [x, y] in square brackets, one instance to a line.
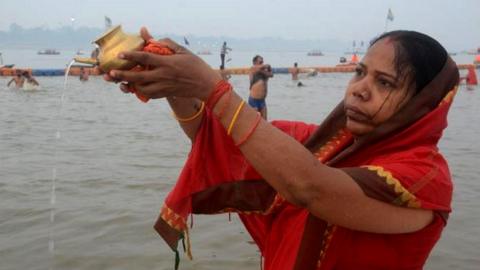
[326, 192]
[185, 108]
[285, 164]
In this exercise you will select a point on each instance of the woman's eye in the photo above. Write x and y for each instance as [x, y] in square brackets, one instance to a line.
[385, 83]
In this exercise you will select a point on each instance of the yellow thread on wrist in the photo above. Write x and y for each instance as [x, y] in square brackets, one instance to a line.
[235, 116]
[193, 117]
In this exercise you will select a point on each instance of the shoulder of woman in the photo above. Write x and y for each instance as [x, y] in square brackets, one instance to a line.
[418, 178]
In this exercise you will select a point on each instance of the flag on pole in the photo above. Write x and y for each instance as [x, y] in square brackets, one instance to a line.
[390, 15]
[108, 22]
[185, 40]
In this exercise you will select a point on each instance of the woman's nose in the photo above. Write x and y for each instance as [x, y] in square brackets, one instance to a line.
[361, 90]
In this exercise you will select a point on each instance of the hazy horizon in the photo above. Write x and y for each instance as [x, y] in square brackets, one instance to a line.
[454, 25]
[68, 37]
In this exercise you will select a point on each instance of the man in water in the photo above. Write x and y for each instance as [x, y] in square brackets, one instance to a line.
[29, 80]
[83, 75]
[259, 75]
[223, 52]
[294, 71]
[18, 79]
[257, 65]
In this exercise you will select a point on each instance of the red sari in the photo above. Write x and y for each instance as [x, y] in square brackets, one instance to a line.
[397, 163]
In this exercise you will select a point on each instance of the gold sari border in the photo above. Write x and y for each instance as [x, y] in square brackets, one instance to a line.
[405, 197]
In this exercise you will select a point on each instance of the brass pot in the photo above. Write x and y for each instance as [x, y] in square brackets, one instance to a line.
[110, 45]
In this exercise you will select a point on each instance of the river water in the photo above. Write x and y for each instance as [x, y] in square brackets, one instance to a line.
[116, 159]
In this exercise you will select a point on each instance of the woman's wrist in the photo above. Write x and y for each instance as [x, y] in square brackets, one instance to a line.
[210, 84]
[239, 121]
[184, 107]
[218, 91]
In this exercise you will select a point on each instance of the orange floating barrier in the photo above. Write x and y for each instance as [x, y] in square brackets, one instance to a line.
[13, 71]
[75, 70]
[93, 71]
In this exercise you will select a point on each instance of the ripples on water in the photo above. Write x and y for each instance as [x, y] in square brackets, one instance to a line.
[117, 158]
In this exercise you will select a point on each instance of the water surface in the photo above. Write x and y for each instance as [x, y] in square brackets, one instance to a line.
[117, 158]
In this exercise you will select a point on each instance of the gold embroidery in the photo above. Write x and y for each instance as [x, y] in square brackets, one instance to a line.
[178, 223]
[405, 196]
[327, 238]
[333, 145]
[173, 219]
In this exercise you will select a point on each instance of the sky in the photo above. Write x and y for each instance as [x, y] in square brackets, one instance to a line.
[455, 23]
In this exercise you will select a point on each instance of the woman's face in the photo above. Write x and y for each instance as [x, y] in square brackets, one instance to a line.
[376, 92]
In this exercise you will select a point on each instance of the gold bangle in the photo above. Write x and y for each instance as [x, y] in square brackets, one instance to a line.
[234, 118]
[193, 117]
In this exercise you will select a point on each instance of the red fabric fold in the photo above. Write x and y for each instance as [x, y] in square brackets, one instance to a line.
[407, 159]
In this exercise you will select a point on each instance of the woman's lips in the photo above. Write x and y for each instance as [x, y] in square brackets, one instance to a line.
[356, 114]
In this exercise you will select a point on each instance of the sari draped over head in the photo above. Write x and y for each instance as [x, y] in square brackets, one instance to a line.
[397, 163]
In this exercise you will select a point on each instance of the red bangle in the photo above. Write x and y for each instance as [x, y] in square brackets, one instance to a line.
[250, 132]
[220, 89]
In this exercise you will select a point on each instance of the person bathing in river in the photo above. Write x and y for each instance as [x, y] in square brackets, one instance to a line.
[83, 75]
[259, 89]
[295, 71]
[259, 75]
[30, 80]
[18, 80]
[365, 189]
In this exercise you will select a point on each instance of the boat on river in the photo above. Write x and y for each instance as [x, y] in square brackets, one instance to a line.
[48, 52]
[315, 53]
[204, 52]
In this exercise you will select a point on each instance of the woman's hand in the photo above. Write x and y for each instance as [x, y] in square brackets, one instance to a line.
[182, 74]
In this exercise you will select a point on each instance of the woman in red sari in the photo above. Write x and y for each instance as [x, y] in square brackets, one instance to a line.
[366, 189]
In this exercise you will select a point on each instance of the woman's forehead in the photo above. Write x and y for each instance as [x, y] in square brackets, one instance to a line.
[381, 56]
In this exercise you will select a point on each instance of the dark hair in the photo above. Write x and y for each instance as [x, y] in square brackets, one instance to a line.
[255, 58]
[295, 64]
[418, 57]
